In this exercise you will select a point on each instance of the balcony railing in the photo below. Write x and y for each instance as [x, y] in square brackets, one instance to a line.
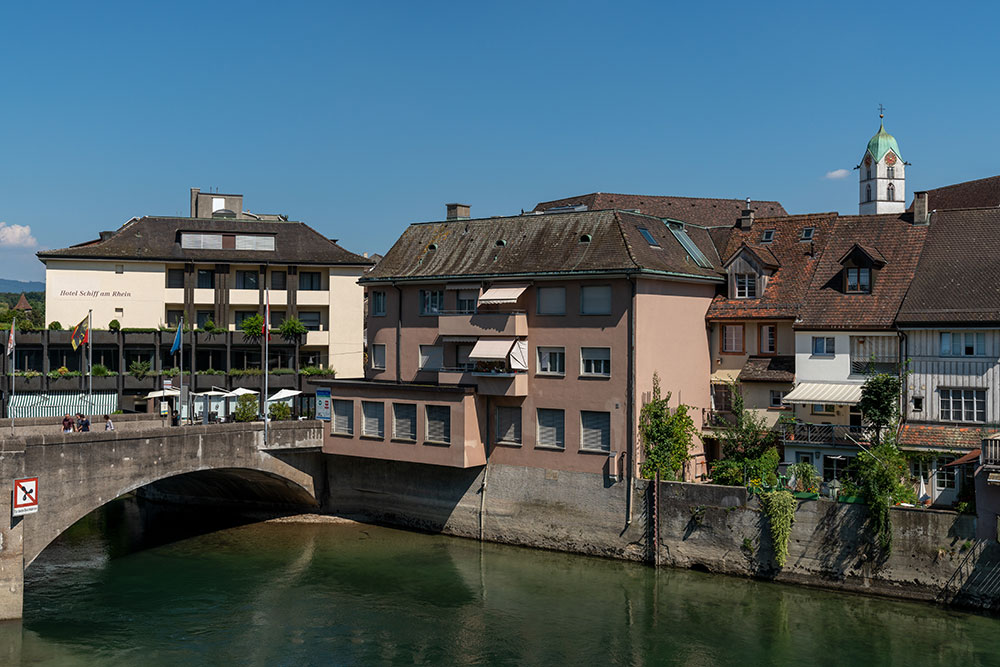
[823, 434]
[717, 418]
[991, 452]
[482, 324]
[874, 365]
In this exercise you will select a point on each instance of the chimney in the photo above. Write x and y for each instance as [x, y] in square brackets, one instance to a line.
[194, 202]
[921, 211]
[457, 211]
[106, 235]
[746, 216]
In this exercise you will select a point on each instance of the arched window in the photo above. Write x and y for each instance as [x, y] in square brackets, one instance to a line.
[892, 192]
[869, 170]
[868, 193]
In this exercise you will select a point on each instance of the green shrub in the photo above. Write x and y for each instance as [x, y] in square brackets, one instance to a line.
[246, 408]
[210, 371]
[114, 325]
[139, 369]
[100, 371]
[291, 329]
[54, 325]
[251, 327]
[282, 371]
[316, 370]
[279, 411]
[245, 372]
[807, 479]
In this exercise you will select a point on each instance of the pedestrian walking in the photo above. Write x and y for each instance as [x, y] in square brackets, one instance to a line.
[83, 424]
[67, 424]
[108, 425]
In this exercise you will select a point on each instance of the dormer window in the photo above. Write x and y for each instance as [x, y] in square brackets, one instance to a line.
[807, 234]
[746, 286]
[767, 236]
[859, 280]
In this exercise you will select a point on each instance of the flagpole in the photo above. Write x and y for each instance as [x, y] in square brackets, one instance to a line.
[13, 369]
[267, 338]
[90, 362]
[180, 384]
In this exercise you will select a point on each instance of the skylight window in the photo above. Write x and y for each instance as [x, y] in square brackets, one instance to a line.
[767, 236]
[690, 248]
[649, 237]
[807, 234]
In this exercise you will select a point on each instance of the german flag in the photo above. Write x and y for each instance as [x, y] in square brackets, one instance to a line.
[80, 334]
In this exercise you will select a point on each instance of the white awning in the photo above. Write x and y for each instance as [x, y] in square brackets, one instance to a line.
[502, 294]
[164, 393]
[519, 356]
[827, 393]
[491, 349]
[284, 395]
[240, 391]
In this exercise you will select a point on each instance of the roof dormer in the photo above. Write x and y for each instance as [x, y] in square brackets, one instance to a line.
[748, 270]
[861, 264]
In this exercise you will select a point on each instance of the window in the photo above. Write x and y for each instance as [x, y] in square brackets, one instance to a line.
[595, 431]
[649, 237]
[247, 280]
[963, 405]
[767, 236]
[918, 403]
[677, 229]
[859, 280]
[551, 300]
[920, 470]
[253, 242]
[119, 313]
[466, 299]
[945, 477]
[175, 278]
[868, 173]
[462, 361]
[776, 396]
[891, 173]
[891, 192]
[551, 360]
[241, 315]
[119, 268]
[595, 361]
[509, 425]
[431, 357]
[193, 241]
[373, 422]
[343, 417]
[722, 398]
[431, 301]
[311, 320]
[868, 193]
[206, 279]
[746, 286]
[835, 467]
[310, 281]
[174, 317]
[823, 346]
[823, 409]
[277, 317]
[732, 339]
[551, 428]
[378, 357]
[768, 338]
[438, 424]
[279, 280]
[802, 457]
[595, 300]
[807, 234]
[404, 421]
[203, 316]
[378, 304]
[963, 344]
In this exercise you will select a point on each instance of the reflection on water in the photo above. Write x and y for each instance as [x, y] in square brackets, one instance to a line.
[299, 594]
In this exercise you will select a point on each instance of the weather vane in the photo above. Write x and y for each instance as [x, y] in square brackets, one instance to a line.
[881, 111]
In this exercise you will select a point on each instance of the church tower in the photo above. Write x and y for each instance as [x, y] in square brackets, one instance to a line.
[882, 175]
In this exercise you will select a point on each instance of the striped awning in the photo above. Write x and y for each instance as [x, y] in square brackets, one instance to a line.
[58, 403]
[826, 393]
[502, 294]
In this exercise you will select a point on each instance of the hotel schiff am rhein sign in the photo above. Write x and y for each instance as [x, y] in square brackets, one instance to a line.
[25, 496]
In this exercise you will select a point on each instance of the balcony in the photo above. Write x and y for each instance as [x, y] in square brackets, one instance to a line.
[173, 295]
[888, 364]
[204, 295]
[991, 452]
[486, 383]
[483, 324]
[823, 434]
[244, 297]
[321, 338]
[312, 298]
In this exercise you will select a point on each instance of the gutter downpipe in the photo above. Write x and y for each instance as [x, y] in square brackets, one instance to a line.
[904, 348]
[630, 391]
[399, 325]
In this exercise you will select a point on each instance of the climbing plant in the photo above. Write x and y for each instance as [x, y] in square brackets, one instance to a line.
[666, 435]
[749, 447]
[882, 473]
[779, 507]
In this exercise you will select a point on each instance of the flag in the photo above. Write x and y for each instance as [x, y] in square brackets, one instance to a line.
[10, 340]
[177, 338]
[81, 334]
[265, 328]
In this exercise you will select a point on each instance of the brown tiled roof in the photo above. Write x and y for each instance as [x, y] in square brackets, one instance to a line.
[22, 303]
[796, 259]
[762, 252]
[984, 192]
[768, 369]
[693, 210]
[895, 238]
[159, 239]
[550, 244]
[958, 276]
[943, 436]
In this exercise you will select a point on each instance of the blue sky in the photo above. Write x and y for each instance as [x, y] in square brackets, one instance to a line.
[359, 118]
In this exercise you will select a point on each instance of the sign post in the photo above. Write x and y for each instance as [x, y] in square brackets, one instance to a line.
[323, 403]
[25, 496]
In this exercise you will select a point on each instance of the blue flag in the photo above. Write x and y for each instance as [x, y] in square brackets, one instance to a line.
[177, 338]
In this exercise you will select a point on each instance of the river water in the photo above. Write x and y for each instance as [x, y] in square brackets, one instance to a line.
[353, 594]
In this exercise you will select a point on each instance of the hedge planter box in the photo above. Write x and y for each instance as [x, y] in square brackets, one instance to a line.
[248, 382]
[27, 384]
[60, 337]
[67, 384]
[106, 383]
[282, 381]
[28, 337]
[139, 338]
[206, 381]
[202, 338]
[145, 384]
[854, 500]
[806, 495]
[104, 337]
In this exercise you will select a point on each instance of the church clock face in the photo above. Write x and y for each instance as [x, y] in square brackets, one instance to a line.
[890, 159]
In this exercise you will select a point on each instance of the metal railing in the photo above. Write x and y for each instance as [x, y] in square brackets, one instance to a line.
[717, 418]
[991, 452]
[824, 434]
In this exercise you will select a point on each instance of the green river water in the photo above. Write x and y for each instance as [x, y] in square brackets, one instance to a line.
[352, 594]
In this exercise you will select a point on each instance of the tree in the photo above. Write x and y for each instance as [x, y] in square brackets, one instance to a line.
[246, 408]
[748, 447]
[666, 435]
[880, 402]
[252, 327]
[291, 329]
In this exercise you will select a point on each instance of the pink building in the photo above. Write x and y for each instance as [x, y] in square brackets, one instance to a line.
[530, 341]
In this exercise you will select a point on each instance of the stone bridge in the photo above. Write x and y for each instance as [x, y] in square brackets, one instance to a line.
[79, 472]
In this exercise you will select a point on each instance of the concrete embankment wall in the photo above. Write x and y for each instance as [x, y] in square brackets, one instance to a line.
[715, 528]
[51, 425]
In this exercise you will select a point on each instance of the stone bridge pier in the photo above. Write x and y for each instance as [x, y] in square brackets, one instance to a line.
[79, 472]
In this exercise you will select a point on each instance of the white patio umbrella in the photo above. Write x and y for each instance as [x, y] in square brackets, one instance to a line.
[164, 393]
[284, 395]
[240, 391]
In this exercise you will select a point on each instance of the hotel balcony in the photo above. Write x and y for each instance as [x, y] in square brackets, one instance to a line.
[244, 297]
[483, 324]
[173, 295]
[488, 384]
[321, 338]
[204, 295]
[434, 425]
[312, 298]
